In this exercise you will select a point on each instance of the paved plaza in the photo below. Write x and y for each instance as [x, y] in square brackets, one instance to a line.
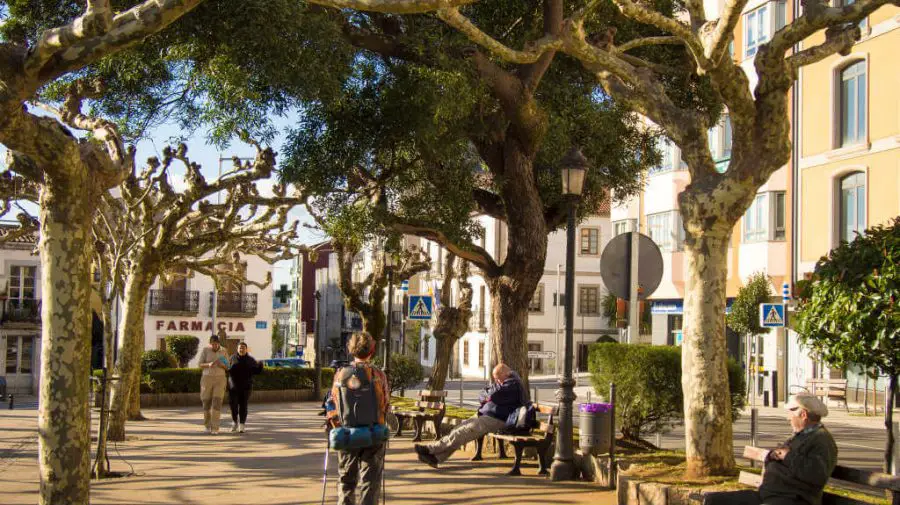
[277, 462]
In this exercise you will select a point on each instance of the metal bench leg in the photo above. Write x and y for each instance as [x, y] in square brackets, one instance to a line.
[543, 457]
[419, 422]
[400, 420]
[517, 464]
[479, 444]
[501, 450]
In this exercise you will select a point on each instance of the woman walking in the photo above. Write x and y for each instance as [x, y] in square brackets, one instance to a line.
[240, 383]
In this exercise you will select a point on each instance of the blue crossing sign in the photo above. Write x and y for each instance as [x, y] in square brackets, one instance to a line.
[420, 307]
[771, 315]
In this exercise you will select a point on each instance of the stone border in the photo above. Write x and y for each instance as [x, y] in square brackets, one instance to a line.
[155, 400]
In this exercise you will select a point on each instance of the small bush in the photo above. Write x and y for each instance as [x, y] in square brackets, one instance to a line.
[406, 371]
[184, 347]
[156, 360]
[187, 380]
[648, 385]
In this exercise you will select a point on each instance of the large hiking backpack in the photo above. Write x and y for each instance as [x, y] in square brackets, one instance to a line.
[358, 406]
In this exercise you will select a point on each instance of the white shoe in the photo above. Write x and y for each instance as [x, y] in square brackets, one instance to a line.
[241, 428]
[234, 427]
[207, 429]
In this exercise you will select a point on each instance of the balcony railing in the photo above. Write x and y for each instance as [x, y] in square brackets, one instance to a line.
[235, 304]
[163, 301]
[19, 310]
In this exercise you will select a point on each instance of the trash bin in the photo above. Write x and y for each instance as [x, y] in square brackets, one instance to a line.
[594, 431]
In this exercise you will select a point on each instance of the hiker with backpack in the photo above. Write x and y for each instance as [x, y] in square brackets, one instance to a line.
[359, 401]
[500, 407]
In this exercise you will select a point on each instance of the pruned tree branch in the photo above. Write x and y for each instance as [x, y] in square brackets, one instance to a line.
[837, 40]
[393, 6]
[648, 41]
[531, 54]
[469, 252]
[723, 31]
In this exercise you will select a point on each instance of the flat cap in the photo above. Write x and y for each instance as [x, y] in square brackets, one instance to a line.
[809, 403]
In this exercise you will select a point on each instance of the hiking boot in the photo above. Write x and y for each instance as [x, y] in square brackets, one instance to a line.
[429, 459]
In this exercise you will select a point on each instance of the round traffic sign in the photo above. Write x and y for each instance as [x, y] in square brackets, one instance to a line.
[615, 266]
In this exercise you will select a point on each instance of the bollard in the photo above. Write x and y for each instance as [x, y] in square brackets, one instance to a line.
[460, 390]
[775, 388]
[765, 398]
[11, 401]
[753, 428]
[895, 463]
[589, 396]
[534, 398]
[658, 440]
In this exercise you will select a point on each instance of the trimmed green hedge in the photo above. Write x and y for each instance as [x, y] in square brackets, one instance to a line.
[648, 385]
[187, 380]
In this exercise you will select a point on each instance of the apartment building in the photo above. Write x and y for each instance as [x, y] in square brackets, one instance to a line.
[848, 154]
[20, 314]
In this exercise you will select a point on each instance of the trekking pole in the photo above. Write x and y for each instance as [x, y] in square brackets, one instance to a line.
[325, 473]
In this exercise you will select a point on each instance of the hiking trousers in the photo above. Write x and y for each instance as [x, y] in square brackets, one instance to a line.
[471, 429]
[359, 472]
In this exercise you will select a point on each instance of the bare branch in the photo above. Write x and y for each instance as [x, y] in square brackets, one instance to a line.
[531, 54]
[817, 16]
[470, 252]
[648, 41]
[723, 31]
[836, 41]
[666, 24]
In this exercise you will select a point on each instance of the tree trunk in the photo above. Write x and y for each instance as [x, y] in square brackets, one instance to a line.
[442, 355]
[109, 363]
[131, 329]
[707, 406]
[890, 394]
[63, 419]
[509, 327]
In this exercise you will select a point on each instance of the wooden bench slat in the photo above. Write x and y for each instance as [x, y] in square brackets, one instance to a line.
[430, 405]
[866, 478]
[437, 393]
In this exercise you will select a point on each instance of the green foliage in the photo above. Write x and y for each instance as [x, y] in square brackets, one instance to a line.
[183, 347]
[187, 380]
[850, 314]
[648, 385]
[744, 316]
[278, 338]
[406, 371]
[156, 359]
[610, 309]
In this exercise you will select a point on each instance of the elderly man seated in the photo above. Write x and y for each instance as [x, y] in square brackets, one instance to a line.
[498, 403]
[797, 470]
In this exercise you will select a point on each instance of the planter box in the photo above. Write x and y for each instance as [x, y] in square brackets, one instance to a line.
[192, 399]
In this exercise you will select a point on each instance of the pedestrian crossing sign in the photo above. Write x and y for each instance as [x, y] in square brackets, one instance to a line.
[420, 307]
[771, 315]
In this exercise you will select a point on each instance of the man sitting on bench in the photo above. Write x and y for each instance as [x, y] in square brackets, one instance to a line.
[796, 471]
[498, 402]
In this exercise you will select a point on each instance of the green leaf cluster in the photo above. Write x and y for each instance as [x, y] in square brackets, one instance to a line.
[744, 316]
[648, 385]
[156, 359]
[183, 347]
[850, 314]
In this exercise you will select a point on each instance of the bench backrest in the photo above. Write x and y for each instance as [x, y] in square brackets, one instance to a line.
[428, 399]
[876, 480]
[547, 417]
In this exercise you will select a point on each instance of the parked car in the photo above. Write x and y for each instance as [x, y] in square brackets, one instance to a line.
[285, 363]
[338, 363]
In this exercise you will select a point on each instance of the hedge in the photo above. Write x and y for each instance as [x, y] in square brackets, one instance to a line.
[157, 360]
[648, 385]
[187, 380]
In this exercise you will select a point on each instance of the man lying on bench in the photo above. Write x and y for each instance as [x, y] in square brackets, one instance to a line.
[498, 403]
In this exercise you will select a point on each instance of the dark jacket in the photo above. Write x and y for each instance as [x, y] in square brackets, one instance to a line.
[242, 370]
[500, 400]
[802, 475]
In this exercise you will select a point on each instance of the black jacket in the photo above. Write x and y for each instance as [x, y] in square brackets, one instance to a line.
[242, 370]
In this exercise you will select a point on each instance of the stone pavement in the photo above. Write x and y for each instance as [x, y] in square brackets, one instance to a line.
[277, 462]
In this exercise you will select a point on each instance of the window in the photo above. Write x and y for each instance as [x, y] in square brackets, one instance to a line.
[665, 229]
[25, 359]
[537, 300]
[853, 104]
[755, 220]
[853, 206]
[588, 300]
[779, 218]
[760, 24]
[12, 354]
[864, 24]
[719, 140]
[465, 352]
[667, 156]
[22, 282]
[536, 363]
[590, 241]
[481, 354]
[620, 227]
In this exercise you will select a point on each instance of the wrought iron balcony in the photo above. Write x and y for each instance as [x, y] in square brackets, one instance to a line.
[21, 311]
[235, 304]
[179, 301]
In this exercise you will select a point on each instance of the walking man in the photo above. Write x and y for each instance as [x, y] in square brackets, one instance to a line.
[498, 402]
[359, 401]
[214, 362]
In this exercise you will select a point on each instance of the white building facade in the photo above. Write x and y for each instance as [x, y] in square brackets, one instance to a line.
[191, 306]
[20, 319]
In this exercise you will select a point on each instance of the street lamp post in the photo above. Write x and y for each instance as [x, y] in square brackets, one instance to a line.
[574, 167]
[389, 266]
[317, 380]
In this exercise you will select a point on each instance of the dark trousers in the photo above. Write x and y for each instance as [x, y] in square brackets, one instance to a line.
[360, 474]
[238, 399]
